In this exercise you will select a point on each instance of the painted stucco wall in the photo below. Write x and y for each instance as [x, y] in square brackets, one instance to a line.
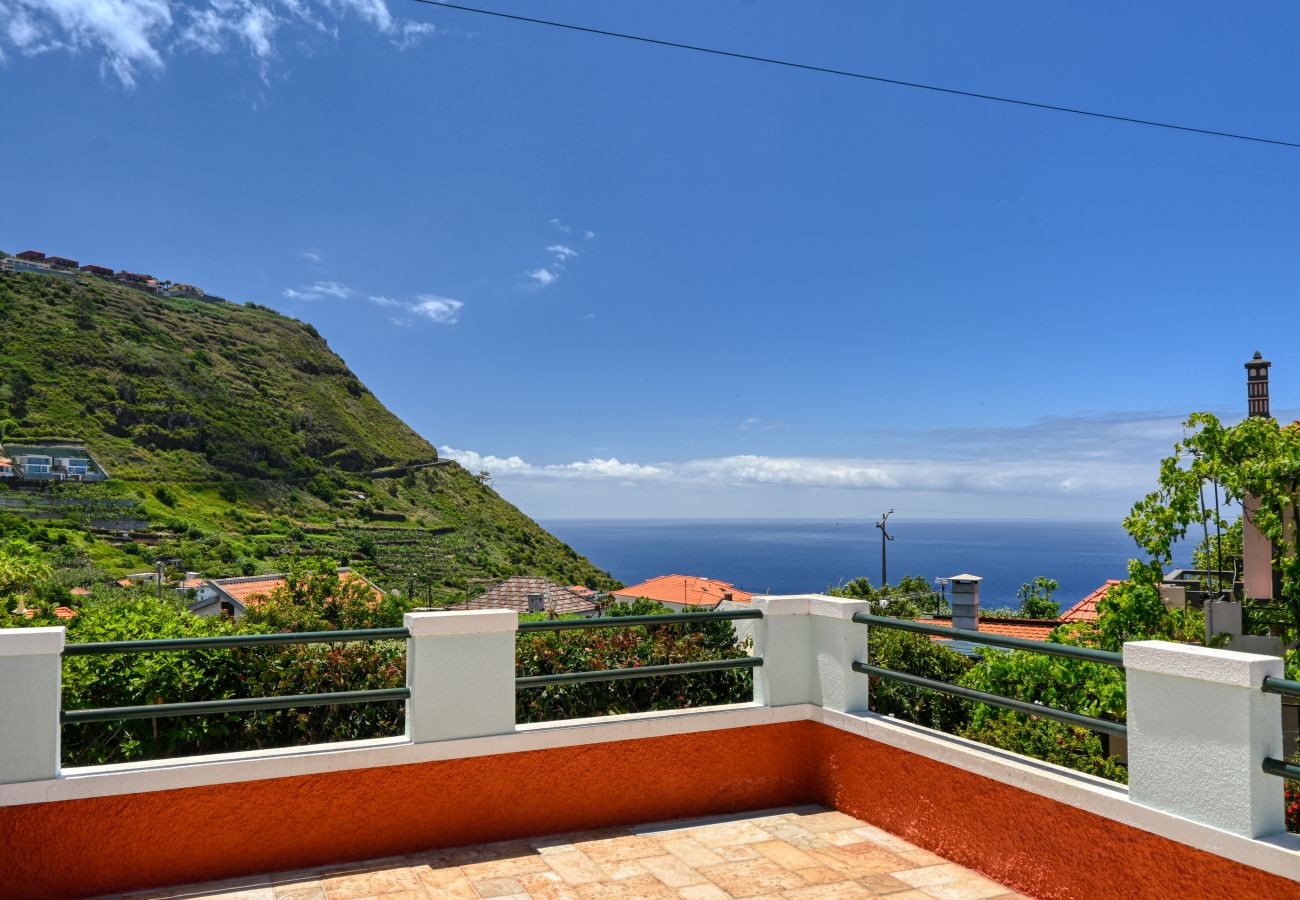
[1030, 842]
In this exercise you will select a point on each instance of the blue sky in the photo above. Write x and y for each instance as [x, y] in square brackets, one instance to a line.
[633, 281]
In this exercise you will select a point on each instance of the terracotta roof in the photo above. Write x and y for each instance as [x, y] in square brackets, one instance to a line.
[1030, 629]
[249, 590]
[79, 592]
[1086, 609]
[61, 612]
[191, 583]
[513, 594]
[687, 589]
[583, 591]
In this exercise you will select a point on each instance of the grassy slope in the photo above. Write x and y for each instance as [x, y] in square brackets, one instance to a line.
[245, 439]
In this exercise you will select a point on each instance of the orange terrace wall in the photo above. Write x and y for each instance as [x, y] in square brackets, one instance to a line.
[1034, 844]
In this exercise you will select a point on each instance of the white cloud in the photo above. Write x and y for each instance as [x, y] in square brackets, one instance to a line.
[311, 255]
[562, 252]
[131, 36]
[560, 226]
[385, 301]
[589, 235]
[543, 277]
[318, 290]
[442, 310]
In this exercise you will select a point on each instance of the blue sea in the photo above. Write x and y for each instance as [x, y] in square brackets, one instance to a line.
[798, 556]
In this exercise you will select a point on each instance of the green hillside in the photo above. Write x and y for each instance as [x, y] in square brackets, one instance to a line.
[241, 439]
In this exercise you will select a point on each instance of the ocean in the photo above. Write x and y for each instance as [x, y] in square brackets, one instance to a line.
[797, 556]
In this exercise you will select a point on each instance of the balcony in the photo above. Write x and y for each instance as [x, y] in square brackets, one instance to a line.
[470, 801]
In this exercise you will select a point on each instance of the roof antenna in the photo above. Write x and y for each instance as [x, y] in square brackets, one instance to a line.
[884, 536]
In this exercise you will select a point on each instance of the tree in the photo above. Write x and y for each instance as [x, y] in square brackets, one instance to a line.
[21, 570]
[910, 598]
[1256, 458]
[1036, 598]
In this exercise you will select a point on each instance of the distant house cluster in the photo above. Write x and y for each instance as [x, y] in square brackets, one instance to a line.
[235, 596]
[36, 262]
[49, 461]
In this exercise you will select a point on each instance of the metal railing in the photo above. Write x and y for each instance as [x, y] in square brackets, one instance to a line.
[717, 665]
[1083, 654]
[1286, 688]
[230, 642]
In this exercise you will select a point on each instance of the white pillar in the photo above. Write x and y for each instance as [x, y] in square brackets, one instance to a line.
[30, 678]
[808, 643]
[838, 642]
[1199, 729]
[460, 667]
[781, 638]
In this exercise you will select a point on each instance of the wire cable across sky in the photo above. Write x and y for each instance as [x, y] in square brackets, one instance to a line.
[862, 76]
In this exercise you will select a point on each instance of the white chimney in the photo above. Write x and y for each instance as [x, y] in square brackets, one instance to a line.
[1257, 550]
[536, 603]
[965, 601]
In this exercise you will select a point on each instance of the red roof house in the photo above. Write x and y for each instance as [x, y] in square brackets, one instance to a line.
[1086, 609]
[33, 255]
[514, 593]
[98, 270]
[682, 591]
[62, 262]
[1029, 629]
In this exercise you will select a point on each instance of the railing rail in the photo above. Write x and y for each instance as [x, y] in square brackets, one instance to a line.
[712, 665]
[1085, 654]
[628, 621]
[1283, 686]
[248, 704]
[1033, 709]
[232, 641]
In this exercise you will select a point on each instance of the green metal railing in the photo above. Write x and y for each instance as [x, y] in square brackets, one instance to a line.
[1286, 688]
[1084, 654]
[717, 665]
[230, 642]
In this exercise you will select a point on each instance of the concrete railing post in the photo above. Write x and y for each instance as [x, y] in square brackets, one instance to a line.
[460, 667]
[30, 679]
[1200, 728]
[808, 643]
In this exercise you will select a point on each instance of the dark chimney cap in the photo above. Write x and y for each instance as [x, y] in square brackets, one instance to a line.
[1257, 355]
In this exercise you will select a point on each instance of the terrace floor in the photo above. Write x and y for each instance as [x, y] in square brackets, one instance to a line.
[802, 853]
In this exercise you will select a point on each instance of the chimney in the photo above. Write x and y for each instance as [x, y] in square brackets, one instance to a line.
[536, 603]
[1257, 385]
[1257, 550]
[966, 601]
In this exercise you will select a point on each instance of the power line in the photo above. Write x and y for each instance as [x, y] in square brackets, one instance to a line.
[862, 76]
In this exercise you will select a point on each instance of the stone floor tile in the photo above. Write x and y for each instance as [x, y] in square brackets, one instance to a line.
[885, 839]
[843, 837]
[708, 891]
[728, 834]
[692, 852]
[354, 885]
[445, 883]
[507, 867]
[497, 887]
[885, 884]
[546, 886]
[300, 890]
[792, 833]
[840, 890]
[858, 860]
[574, 867]
[672, 871]
[753, 877]
[644, 887]
[929, 875]
[966, 889]
[821, 875]
[826, 821]
[737, 852]
[620, 869]
[618, 848]
[785, 855]
[922, 858]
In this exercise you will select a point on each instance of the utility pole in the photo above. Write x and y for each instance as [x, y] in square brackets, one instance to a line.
[885, 536]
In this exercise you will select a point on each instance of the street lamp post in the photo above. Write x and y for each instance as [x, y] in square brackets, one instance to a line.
[885, 536]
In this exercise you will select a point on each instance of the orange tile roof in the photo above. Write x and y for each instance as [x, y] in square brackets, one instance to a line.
[687, 589]
[513, 594]
[61, 612]
[1030, 629]
[79, 592]
[250, 590]
[1086, 609]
